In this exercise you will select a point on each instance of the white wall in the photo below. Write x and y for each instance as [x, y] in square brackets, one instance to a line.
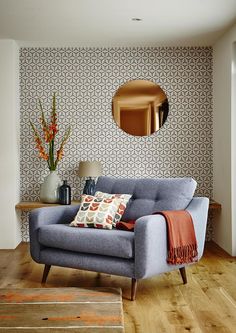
[224, 141]
[9, 144]
[233, 148]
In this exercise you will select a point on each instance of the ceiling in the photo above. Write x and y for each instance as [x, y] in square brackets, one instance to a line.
[109, 23]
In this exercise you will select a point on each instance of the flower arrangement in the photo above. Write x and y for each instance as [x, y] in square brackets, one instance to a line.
[47, 139]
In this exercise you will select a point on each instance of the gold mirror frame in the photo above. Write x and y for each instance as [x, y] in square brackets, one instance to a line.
[140, 107]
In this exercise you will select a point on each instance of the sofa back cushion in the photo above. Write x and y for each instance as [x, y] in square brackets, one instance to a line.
[150, 195]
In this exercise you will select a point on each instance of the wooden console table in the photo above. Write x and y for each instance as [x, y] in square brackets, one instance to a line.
[29, 205]
[214, 206]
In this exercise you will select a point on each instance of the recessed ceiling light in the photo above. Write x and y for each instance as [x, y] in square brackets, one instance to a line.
[136, 19]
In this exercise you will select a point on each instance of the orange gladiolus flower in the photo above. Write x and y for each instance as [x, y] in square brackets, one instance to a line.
[49, 131]
[40, 148]
[60, 154]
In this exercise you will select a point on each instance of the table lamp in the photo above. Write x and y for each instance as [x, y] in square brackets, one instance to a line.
[90, 170]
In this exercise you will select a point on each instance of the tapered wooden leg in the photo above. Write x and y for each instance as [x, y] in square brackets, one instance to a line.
[133, 289]
[183, 274]
[45, 273]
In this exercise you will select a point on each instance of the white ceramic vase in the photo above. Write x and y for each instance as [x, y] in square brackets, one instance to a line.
[49, 190]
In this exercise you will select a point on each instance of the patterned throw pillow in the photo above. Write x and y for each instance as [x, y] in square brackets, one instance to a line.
[96, 212]
[125, 198]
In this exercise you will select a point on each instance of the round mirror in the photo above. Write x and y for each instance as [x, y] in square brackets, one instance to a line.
[140, 107]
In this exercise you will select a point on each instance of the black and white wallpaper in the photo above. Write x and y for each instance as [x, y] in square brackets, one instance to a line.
[85, 80]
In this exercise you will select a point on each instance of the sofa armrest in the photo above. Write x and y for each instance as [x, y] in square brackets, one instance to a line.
[198, 208]
[45, 216]
[151, 239]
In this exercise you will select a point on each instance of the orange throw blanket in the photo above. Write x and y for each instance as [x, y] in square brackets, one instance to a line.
[182, 243]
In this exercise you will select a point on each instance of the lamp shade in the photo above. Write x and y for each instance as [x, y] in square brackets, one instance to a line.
[90, 169]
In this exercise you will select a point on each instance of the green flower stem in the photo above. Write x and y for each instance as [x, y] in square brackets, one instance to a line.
[51, 156]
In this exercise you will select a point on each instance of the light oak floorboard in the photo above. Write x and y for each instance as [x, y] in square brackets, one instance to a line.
[207, 303]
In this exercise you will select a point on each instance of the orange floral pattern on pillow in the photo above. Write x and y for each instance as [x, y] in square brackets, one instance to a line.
[96, 212]
[121, 209]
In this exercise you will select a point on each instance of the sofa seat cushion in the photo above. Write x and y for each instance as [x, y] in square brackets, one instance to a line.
[115, 243]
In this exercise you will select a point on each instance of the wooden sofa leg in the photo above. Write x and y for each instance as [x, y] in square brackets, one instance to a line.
[133, 289]
[183, 274]
[45, 273]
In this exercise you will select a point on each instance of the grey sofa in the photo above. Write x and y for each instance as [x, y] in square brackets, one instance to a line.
[137, 255]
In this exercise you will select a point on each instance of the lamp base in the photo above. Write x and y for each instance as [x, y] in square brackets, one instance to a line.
[89, 187]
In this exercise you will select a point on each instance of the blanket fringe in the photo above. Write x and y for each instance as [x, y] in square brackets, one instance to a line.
[182, 254]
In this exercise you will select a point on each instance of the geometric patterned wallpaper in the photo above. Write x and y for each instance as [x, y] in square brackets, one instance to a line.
[85, 80]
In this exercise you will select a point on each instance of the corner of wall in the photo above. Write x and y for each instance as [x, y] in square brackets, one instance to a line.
[10, 235]
[223, 144]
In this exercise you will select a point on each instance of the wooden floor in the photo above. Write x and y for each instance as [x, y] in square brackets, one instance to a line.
[206, 304]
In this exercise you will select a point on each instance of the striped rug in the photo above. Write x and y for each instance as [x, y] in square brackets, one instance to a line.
[58, 310]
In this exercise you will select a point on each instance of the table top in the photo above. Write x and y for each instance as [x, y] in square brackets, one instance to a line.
[29, 205]
[214, 205]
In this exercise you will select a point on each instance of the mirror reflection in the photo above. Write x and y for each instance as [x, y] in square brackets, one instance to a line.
[140, 107]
